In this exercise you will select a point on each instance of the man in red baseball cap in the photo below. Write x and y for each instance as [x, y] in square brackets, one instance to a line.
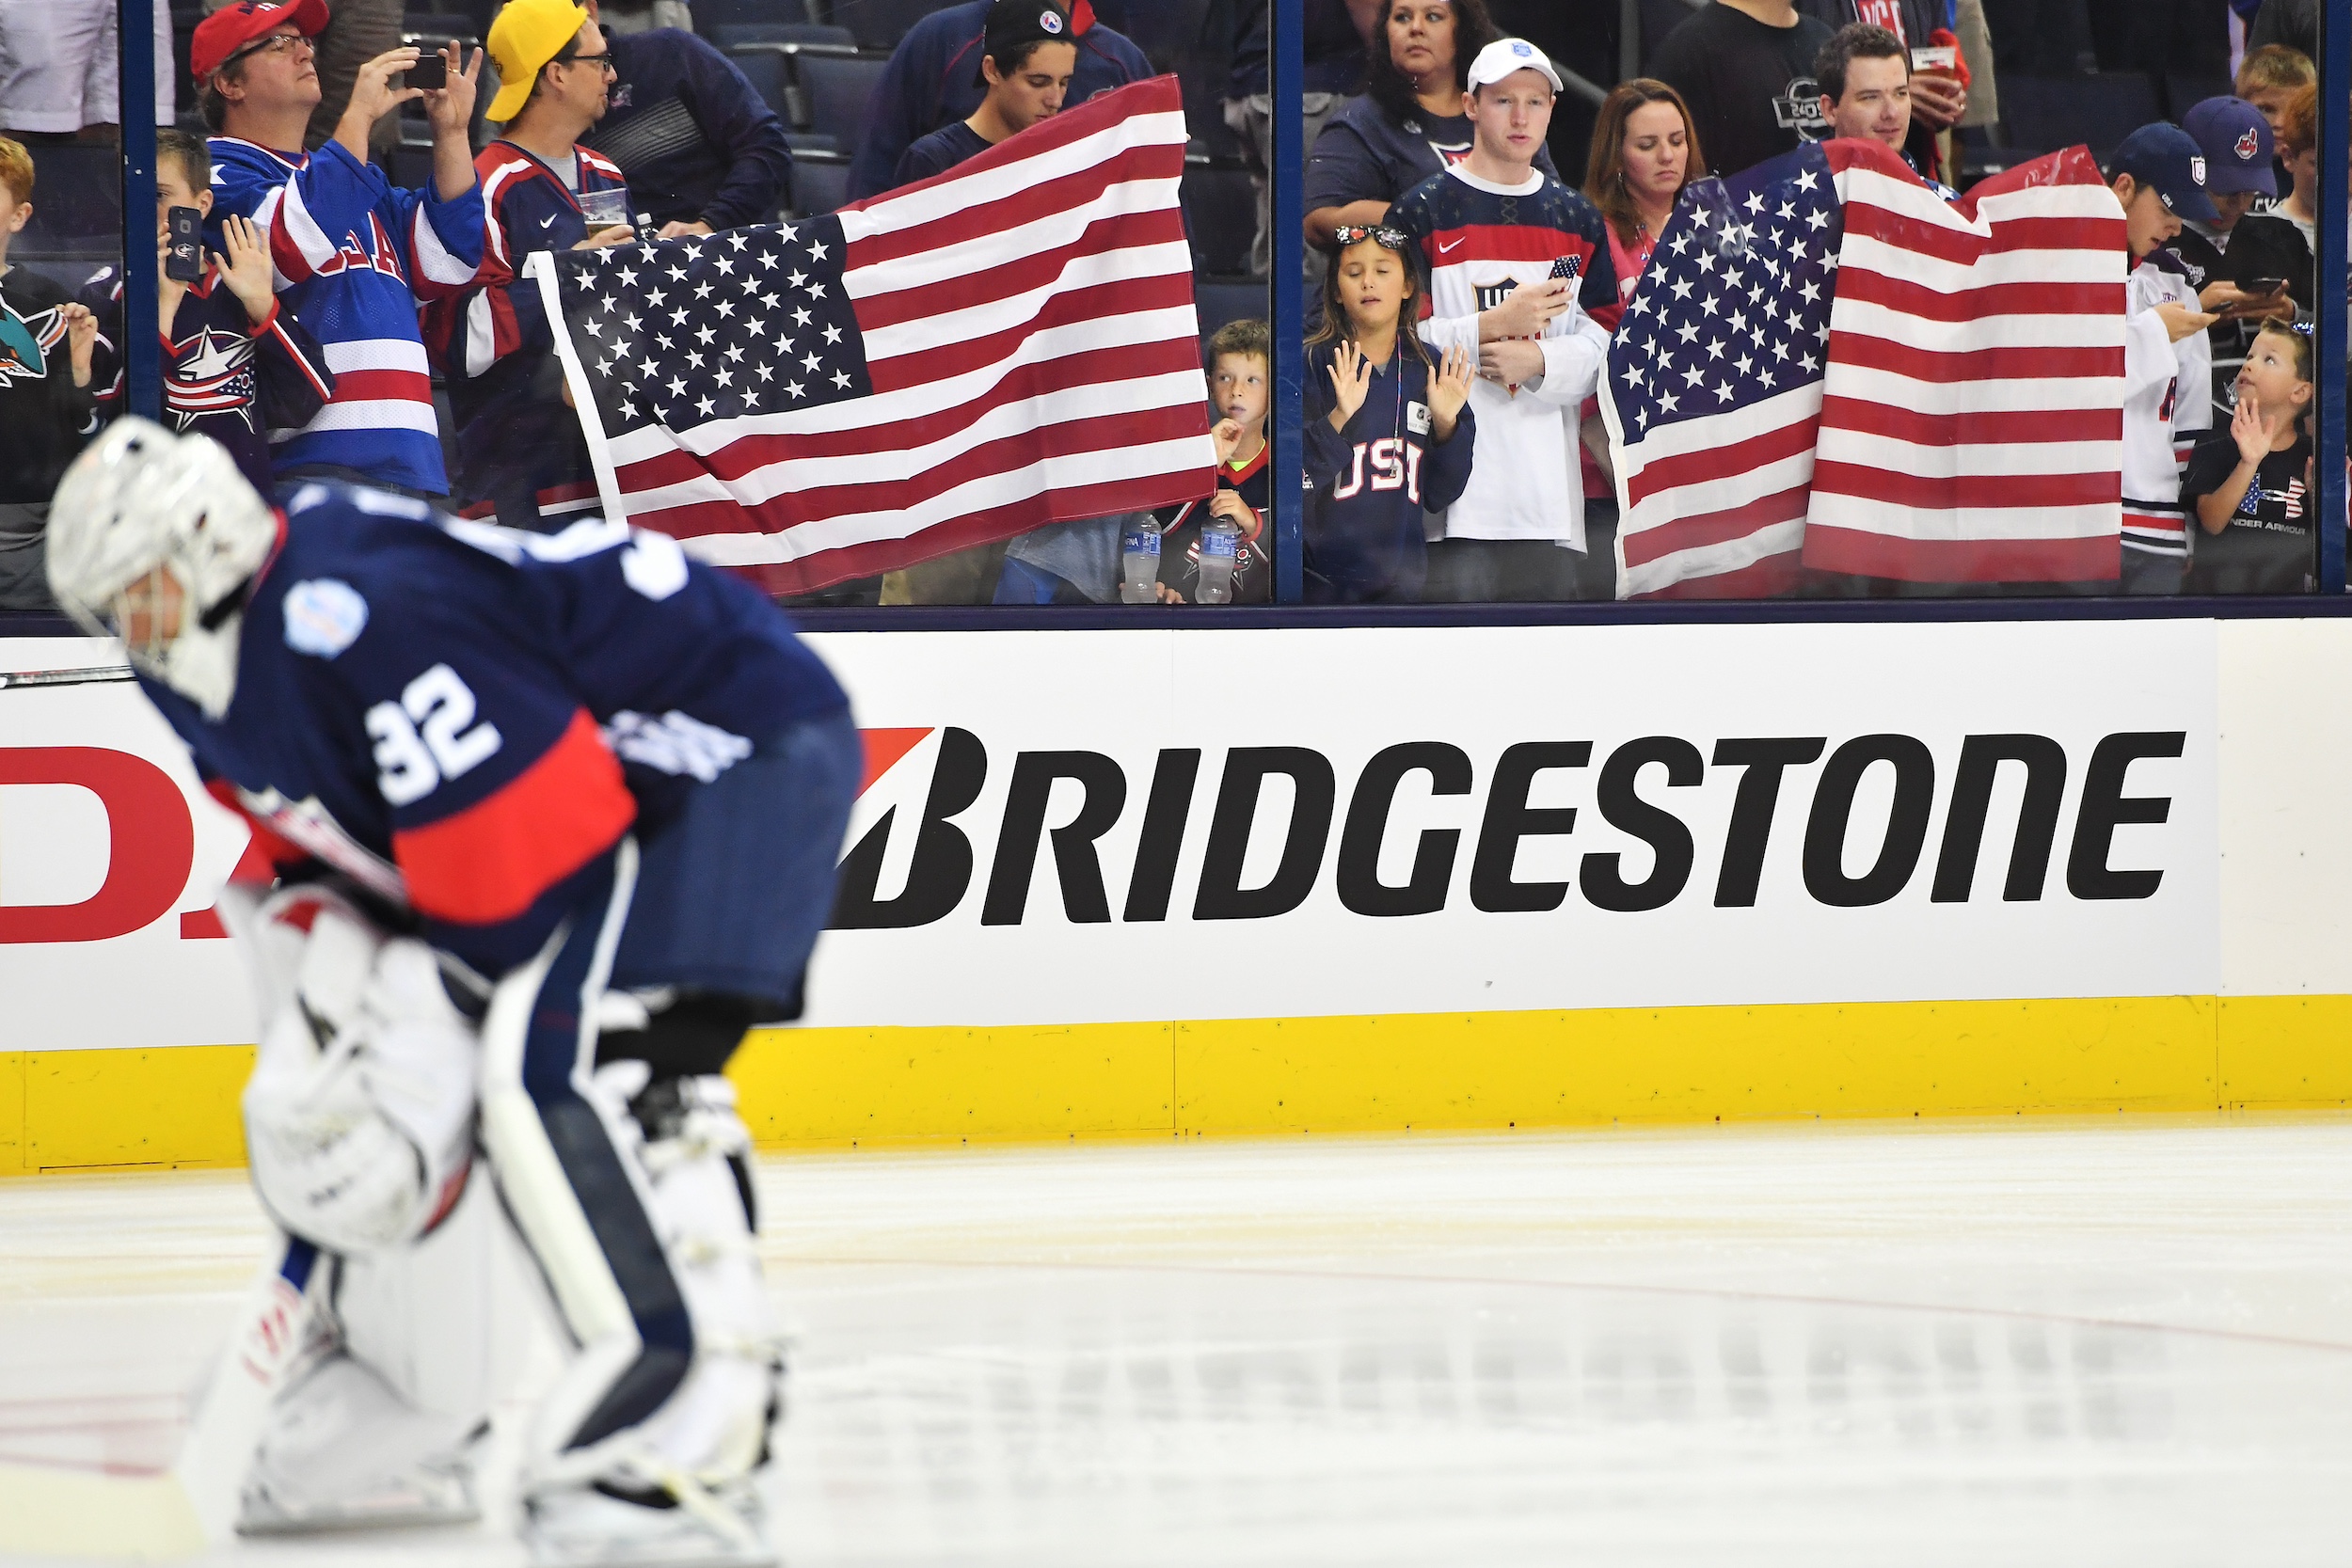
[355, 255]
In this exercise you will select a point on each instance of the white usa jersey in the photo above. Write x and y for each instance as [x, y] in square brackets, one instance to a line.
[2156, 369]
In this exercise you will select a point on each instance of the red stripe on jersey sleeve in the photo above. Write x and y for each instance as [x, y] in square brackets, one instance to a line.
[493, 860]
[264, 852]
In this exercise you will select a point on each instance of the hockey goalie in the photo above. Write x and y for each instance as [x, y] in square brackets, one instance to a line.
[553, 821]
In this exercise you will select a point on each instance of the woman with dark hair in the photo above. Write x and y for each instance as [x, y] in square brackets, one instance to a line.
[1645, 151]
[1409, 125]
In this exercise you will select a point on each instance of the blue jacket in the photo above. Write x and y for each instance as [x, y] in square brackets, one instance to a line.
[697, 143]
[933, 78]
[464, 719]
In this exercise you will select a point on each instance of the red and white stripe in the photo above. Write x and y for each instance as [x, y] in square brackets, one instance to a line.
[1029, 328]
[1971, 424]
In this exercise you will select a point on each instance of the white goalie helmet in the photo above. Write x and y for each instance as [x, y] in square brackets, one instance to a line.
[142, 505]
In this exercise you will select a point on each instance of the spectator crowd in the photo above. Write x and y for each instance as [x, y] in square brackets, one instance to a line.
[348, 195]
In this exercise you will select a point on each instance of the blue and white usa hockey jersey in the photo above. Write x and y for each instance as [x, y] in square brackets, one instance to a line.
[355, 255]
[1480, 243]
[465, 720]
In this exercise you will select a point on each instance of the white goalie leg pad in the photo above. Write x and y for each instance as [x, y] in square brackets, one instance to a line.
[360, 1115]
[378, 1429]
[704, 1445]
[712, 1432]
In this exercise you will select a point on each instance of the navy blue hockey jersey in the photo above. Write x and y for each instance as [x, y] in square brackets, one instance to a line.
[1368, 485]
[466, 718]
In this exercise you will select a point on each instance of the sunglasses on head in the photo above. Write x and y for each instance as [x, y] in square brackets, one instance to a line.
[1380, 234]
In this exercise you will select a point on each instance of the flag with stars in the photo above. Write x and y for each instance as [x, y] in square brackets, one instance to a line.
[1828, 366]
[1010, 344]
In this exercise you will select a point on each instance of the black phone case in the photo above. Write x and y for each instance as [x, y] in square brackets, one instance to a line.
[184, 263]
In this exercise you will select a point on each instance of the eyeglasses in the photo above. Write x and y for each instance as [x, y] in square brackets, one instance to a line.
[601, 60]
[1380, 234]
[277, 43]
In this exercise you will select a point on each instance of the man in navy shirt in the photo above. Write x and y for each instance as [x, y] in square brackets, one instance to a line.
[1028, 67]
[935, 80]
[702, 150]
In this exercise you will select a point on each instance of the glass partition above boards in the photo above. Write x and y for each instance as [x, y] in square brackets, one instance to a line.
[1002, 339]
[61, 237]
[1830, 299]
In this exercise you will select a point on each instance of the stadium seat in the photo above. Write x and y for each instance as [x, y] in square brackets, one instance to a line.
[820, 185]
[837, 91]
[1220, 303]
[1174, 34]
[2095, 111]
[881, 24]
[1220, 217]
[726, 36]
[2183, 90]
[77, 203]
[712, 15]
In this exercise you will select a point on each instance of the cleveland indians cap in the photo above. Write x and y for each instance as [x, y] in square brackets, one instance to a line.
[1014, 25]
[2237, 145]
[1505, 55]
[2168, 158]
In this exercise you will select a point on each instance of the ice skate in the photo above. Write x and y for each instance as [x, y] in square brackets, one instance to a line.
[610, 1528]
[345, 1453]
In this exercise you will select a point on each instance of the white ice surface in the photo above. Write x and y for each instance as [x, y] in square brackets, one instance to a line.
[2019, 1343]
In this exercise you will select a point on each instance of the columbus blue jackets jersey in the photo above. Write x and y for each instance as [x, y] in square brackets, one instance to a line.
[355, 255]
[465, 718]
[519, 450]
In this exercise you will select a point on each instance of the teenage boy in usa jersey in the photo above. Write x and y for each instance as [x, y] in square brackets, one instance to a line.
[1520, 276]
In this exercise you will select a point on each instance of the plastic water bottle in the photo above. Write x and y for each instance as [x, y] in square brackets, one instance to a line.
[1219, 539]
[1139, 561]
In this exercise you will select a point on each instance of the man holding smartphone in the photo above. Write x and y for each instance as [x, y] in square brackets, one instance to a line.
[357, 254]
[2239, 151]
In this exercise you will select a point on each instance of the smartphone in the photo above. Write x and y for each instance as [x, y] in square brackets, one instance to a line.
[431, 72]
[2261, 285]
[184, 262]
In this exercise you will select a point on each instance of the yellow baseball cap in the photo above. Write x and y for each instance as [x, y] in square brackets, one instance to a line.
[525, 37]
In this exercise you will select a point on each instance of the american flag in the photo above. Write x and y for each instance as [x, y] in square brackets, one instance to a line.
[1010, 344]
[1829, 366]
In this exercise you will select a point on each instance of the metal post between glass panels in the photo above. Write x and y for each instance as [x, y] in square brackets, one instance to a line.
[1288, 261]
[142, 355]
[2335, 158]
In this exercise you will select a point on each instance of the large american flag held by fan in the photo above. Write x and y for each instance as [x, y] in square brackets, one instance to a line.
[1828, 367]
[1010, 344]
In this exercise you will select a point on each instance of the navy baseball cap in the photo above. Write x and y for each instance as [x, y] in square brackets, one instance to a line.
[2168, 158]
[2236, 142]
[1016, 23]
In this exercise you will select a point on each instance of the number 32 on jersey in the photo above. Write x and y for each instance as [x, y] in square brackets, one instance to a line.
[428, 736]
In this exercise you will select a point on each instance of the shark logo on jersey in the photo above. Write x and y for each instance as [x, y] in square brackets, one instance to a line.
[25, 342]
[323, 616]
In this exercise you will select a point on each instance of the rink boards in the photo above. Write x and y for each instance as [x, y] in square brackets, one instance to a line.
[1178, 881]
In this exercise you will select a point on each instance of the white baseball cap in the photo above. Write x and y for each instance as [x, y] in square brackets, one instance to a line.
[1505, 55]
